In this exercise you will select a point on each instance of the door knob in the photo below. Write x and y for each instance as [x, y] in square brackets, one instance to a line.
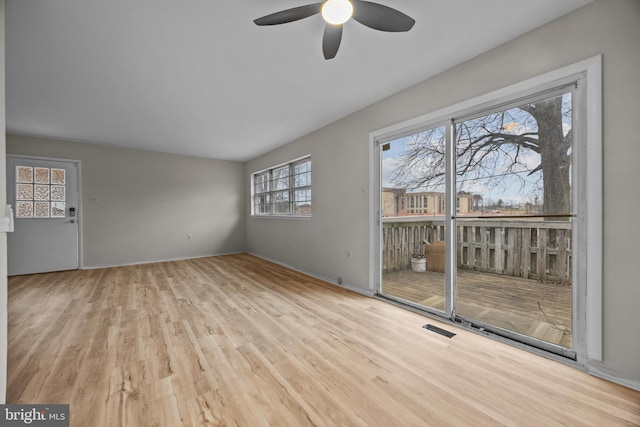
[73, 221]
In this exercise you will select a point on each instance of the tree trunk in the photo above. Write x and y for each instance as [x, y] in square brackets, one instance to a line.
[555, 156]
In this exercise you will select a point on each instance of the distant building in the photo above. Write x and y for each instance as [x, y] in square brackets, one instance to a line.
[393, 202]
[397, 202]
[424, 203]
[464, 203]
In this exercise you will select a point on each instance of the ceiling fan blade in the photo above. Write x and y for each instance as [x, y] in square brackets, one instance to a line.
[289, 15]
[380, 17]
[331, 40]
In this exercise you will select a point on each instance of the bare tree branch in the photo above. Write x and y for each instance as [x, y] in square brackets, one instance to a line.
[496, 146]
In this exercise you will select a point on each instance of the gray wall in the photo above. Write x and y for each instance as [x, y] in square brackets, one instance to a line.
[341, 174]
[149, 202]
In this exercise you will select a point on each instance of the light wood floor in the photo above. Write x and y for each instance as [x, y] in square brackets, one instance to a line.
[238, 341]
[530, 307]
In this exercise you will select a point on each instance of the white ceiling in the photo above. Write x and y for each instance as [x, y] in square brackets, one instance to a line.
[198, 77]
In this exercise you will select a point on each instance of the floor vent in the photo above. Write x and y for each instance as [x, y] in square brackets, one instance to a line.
[439, 330]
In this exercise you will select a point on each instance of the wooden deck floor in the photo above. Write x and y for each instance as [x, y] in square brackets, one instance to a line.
[530, 307]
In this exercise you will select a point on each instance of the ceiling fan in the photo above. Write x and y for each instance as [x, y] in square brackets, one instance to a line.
[336, 13]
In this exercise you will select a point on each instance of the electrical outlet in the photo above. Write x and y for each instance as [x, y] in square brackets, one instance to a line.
[188, 236]
[93, 199]
[339, 280]
[348, 254]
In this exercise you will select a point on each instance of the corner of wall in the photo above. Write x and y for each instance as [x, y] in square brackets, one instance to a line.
[3, 236]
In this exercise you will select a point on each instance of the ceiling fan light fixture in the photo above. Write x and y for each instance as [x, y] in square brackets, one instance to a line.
[337, 12]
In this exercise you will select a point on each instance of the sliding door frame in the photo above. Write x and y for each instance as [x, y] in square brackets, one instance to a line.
[587, 258]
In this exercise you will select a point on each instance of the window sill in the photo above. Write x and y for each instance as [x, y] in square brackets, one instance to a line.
[297, 217]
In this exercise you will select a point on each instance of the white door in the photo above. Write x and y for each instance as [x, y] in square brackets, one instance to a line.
[44, 196]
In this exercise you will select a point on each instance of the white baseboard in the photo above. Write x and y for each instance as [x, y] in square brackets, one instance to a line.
[317, 276]
[614, 377]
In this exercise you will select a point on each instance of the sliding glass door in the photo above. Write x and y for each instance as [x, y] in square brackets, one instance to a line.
[477, 219]
[514, 219]
[413, 213]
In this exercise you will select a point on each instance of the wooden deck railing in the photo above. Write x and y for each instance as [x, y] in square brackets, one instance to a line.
[523, 248]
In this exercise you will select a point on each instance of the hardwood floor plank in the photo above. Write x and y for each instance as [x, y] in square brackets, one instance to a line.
[239, 341]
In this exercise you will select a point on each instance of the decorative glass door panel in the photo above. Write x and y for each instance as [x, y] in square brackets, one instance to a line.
[40, 192]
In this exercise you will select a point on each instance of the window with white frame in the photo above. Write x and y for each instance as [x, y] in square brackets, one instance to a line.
[283, 190]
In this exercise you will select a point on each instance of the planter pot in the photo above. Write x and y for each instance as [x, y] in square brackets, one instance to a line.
[418, 264]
